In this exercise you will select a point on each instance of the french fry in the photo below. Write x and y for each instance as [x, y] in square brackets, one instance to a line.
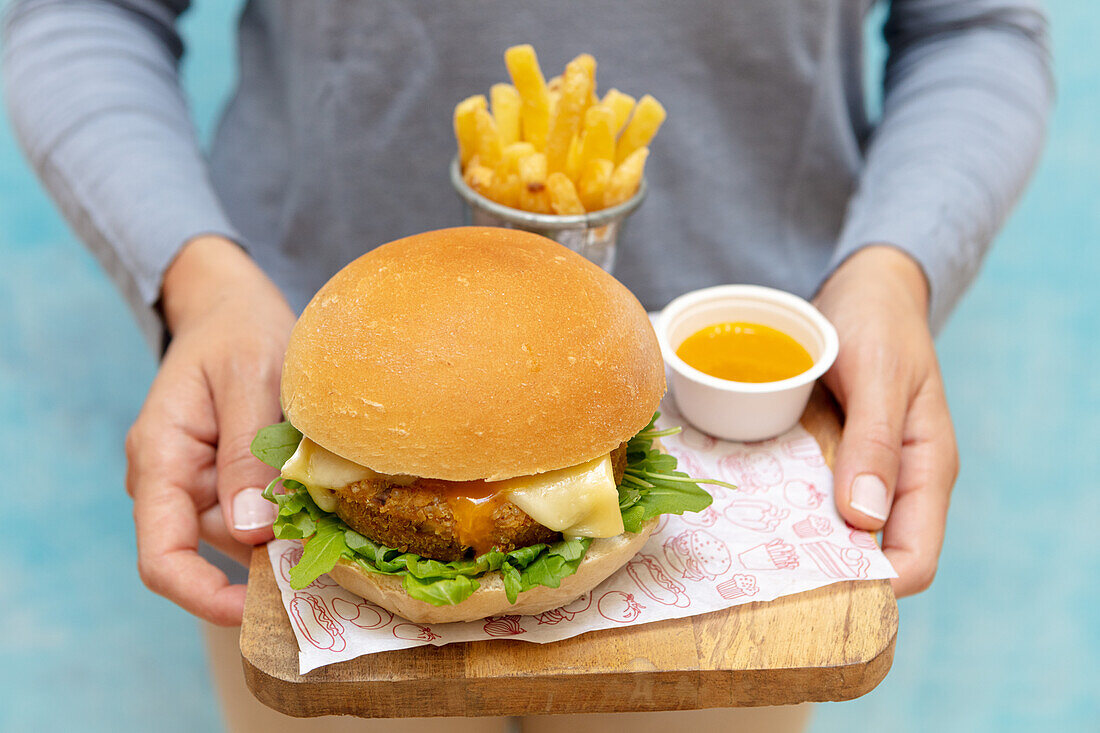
[488, 138]
[533, 195]
[625, 179]
[466, 128]
[479, 178]
[563, 195]
[506, 111]
[573, 159]
[621, 104]
[597, 140]
[523, 67]
[588, 62]
[505, 189]
[643, 125]
[510, 157]
[593, 183]
[568, 115]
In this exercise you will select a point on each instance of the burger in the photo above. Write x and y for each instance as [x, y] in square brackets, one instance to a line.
[470, 428]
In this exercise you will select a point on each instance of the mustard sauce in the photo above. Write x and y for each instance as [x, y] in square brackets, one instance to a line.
[745, 352]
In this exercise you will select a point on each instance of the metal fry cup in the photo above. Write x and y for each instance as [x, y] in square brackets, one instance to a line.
[593, 236]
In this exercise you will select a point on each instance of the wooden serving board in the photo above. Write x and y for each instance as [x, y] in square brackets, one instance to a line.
[833, 643]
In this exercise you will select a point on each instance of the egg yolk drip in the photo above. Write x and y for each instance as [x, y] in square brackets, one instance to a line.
[745, 352]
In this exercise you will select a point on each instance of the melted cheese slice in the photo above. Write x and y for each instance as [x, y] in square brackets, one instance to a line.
[579, 501]
[321, 471]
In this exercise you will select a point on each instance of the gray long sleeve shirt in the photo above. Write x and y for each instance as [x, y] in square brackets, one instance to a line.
[339, 134]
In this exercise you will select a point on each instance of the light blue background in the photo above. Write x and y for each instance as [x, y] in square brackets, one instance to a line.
[1007, 639]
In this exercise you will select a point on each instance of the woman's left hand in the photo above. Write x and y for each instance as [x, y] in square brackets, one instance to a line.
[897, 459]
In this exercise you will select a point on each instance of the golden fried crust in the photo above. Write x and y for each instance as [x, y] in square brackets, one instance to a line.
[415, 518]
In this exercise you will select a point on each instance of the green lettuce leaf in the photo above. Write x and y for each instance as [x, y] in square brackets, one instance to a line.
[275, 444]
[650, 487]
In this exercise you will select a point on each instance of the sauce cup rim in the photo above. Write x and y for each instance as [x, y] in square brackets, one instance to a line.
[758, 293]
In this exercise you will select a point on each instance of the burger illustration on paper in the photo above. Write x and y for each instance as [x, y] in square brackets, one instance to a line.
[773, 555]
[759, 515]
[752, 472]
[838, 562]
[804, 449]
[803, 494]
[652, 580]
[697, 555]
[315, 624]
[738, 586]
[813, 526]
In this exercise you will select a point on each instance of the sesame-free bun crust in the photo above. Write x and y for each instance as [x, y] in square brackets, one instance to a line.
[472, 353]
[603, 558]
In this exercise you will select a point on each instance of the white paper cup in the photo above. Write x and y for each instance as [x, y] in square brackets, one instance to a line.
[744, 411]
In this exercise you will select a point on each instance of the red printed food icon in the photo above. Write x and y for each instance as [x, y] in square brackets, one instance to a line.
[706, 518]
[697, 555]
[691, 437]
[803, 494]
[863, 538]
[365, 615]
[759, 515]
[503, 626]
[738, 586]
[804, 449]
[655, 583]
[838, 562]
[752, 472]
[566, 612]
[813, 526]
[619, 607]
[414, 632]
[773, 555]
[309, 614]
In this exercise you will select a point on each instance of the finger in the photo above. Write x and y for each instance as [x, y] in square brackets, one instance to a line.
[168, 559]
[875, 402]
[245, 402]
[914, 534]
[213, 532]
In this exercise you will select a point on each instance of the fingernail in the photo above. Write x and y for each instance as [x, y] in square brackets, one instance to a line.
[869, 496]
[251, 510]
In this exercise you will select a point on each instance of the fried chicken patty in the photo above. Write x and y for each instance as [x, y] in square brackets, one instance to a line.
[416, 517]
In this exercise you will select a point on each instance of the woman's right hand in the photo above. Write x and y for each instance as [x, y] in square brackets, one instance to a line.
[190, 471]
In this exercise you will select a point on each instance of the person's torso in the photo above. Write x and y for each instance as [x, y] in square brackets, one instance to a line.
[339, 136]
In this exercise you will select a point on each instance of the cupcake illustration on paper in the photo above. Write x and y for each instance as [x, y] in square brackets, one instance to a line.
[813, 526]
[738, 586]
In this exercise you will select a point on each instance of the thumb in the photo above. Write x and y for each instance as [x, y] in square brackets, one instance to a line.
[245, 404]
[869, 455]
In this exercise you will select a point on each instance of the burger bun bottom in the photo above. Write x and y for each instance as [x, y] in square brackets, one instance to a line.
[603, 558]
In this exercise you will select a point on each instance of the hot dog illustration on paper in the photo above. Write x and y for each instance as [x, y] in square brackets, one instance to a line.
[365, 615]
[315, 623]
[752, 472]
[619, 607]
[773, 555]
[813, 526]
[738, 586]
[804, 449]
[654, 582]
[803, 494]
[566, 612]
[759, 515]
[838, 562]
[697, 555]
[503, 626]
[414, 632]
